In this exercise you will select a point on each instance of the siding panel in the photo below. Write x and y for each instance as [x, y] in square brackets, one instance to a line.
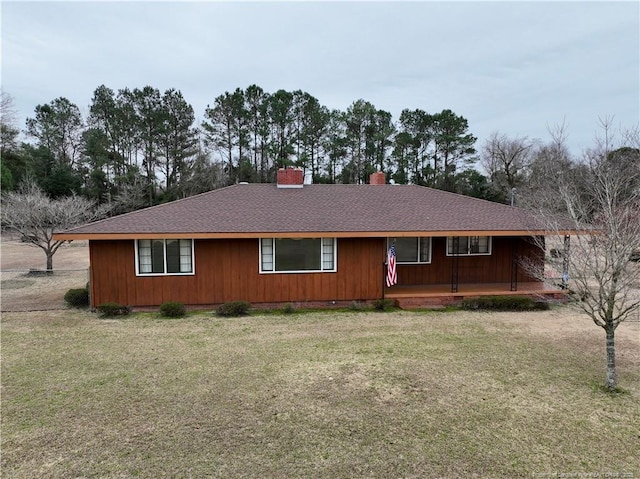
[228, 270]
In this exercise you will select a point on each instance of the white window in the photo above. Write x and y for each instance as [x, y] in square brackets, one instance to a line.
[411, 250]
[468, 245]
[159, 256]
[297, 255]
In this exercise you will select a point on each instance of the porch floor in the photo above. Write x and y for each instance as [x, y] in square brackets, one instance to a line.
[440, 294]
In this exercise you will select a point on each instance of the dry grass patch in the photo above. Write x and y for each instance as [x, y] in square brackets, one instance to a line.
[16, 283]
[22, 291]
[315, 395]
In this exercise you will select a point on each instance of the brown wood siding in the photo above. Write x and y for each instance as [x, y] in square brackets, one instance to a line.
[228, 270]
[493, 268]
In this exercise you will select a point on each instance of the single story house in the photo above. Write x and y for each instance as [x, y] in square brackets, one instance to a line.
[316, 245]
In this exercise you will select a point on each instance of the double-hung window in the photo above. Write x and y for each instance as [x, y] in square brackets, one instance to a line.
[468, 245]
[412, 250]
[160, 256]
[297, 255]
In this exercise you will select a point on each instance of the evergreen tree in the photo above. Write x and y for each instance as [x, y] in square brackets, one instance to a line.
[178, 141]
[58, 126]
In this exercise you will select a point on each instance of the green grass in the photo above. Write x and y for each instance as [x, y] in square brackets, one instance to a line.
[317, 395]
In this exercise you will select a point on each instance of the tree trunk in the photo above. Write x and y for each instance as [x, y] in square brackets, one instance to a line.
[612, 380]
[49, 260]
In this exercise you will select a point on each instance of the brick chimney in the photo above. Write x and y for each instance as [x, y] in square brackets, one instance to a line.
[290, 178]
[378, 178]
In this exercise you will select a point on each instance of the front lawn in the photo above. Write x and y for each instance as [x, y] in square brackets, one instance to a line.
[319, 395]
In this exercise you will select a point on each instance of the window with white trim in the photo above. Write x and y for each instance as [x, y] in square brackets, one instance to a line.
[160, 256]
[469, 245]
[411, 249]
[297, 255]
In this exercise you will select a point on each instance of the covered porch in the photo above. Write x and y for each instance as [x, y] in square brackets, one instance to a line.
[435, 295]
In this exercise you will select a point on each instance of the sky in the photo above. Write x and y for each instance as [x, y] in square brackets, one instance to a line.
[517, 68]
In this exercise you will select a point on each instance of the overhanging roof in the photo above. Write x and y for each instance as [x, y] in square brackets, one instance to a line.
[259, 210]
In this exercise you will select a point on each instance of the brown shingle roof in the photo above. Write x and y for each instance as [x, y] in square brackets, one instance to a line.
[252, 209]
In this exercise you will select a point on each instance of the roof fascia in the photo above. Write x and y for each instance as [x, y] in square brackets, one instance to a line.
[307, 234]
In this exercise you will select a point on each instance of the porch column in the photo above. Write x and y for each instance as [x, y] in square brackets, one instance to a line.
[514, 264]
[565, 262]
[384, 277]
[454, 264]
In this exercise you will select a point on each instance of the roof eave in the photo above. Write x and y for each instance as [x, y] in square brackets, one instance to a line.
[304, 234]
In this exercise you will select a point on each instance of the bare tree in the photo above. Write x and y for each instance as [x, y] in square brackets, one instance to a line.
[601, 200]
[506, 161]
[8, 112]
[551, 163]
[9, 130]
[131, 197]
[36, 217]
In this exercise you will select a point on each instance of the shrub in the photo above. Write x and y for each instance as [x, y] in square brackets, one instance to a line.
[504, 303]
[233, 308]
[109, 310]
[173, 309]
[356, 306]
[288, 309]
[77, 297]
[383, 304]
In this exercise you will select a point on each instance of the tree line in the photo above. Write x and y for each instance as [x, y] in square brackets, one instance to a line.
[142, 146]
[139, 147]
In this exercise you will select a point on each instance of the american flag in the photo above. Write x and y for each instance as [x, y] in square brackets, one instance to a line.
[392, 274]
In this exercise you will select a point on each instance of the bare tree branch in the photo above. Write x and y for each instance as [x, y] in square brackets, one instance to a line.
[507, 161]
[34, 215]
[599, 197]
